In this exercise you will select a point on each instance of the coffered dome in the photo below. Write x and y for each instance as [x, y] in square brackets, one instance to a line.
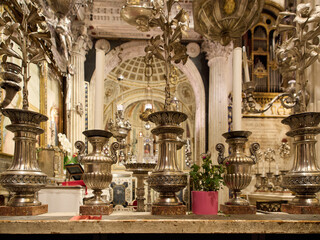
[133, 70]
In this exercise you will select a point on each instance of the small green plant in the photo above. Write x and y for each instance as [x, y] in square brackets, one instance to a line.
[208, 177]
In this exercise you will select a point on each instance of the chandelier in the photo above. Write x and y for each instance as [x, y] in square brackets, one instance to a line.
[225, 20]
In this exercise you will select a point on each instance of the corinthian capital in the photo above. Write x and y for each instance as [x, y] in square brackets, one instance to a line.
[215, 49]
[81, 41]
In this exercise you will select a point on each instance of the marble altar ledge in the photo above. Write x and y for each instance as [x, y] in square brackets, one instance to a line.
[293, 209]
[169, 210]
[23, 211]
[96, 210]
[146, 223]
[233, 209]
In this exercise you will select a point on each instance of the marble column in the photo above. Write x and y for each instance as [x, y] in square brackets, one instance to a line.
[220, 85]
[102, 47]
[76, 116]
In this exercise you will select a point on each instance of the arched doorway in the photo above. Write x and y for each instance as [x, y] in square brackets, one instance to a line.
[126, 94]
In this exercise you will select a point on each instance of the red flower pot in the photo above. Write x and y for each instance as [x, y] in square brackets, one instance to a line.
[204, 203]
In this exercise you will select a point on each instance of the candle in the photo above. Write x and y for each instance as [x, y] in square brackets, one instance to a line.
[245, 65]
[264, 169]
[236, 88]
[120, 107]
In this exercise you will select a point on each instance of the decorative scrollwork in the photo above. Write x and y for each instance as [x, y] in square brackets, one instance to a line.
[220, 148]
[114, 147]
[26, 29]
[288, 99]
[254, 148]
[81, 148]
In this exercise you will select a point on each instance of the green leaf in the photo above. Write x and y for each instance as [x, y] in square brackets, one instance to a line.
[208, 177]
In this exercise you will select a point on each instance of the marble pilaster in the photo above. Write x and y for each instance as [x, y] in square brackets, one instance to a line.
[76, 116]
[102, 47]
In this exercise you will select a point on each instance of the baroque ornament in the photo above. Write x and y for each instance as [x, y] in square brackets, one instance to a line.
[238, 165]
[298, 48]
[225, 20]
[23, 27]
[97, 164]
[166, 177]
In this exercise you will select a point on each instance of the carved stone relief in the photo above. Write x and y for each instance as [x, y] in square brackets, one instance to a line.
[112, 89]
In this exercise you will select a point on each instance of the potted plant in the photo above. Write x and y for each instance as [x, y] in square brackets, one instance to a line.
[206, 181]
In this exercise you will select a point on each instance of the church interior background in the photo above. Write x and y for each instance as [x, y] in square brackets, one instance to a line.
[96, 76]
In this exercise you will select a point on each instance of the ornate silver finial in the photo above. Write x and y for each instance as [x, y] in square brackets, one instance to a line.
[220, 148]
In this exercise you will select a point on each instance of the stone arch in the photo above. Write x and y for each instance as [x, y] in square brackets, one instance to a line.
[136, 49]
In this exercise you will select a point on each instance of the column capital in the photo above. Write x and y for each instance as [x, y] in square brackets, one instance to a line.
[82, 42]
[103, 44]
[215, 49]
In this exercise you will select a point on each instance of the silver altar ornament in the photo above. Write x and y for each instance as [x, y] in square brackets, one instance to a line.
[304, 177]
[24, 177]
[225, 20]
[120, 130]
[238, 175]
[25, 29]
[167, 178]
[97, 164]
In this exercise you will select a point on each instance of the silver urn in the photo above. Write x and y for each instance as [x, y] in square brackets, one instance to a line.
[238, 166]
[304, 177]
[24, 177]
[166, 178]
[97, 164]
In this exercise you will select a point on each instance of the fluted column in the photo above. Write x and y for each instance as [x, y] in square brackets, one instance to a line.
[220, 85]
[102, 47]
[81, 45]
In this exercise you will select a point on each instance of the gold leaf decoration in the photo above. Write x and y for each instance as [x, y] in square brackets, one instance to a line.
[229, 7]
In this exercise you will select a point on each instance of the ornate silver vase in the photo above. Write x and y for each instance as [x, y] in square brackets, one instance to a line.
[24, 177]
[304, 177]
[140, 171]
[166, 178]
[97, 164]
[238, 175]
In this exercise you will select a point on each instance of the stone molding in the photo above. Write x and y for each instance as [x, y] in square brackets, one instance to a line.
[215, 50]
[103, 45]
[82, 42]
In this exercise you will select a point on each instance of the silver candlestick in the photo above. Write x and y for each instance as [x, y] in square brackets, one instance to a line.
[304, 177]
